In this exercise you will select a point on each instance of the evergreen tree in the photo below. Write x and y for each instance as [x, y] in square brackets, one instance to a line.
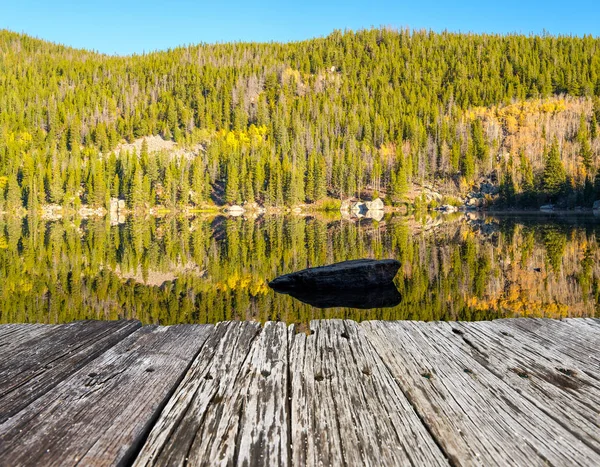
[399, 183]
[586, 155]
[13, 194]
[335, 128]
[554, 175]
[468, 163]
[232, 187]
[135, 198]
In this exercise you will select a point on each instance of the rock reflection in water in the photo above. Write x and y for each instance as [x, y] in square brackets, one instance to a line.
[379, 297]
[175, 270]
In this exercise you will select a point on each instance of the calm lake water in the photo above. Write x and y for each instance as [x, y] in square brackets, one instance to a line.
[204, 270]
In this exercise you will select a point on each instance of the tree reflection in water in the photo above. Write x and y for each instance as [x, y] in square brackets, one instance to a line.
[176, 270]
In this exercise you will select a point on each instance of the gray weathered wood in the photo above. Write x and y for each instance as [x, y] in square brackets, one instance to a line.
[551, 381]
[315, 432]
[591, 324]
[31, 369]
[346, 407]
[562, 336]
[476, 416]
[507, 392]
[102, 413]
[263, 436]
[13, 335]
[200, 423]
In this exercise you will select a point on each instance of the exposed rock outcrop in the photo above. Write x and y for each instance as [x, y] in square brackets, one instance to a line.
[117, 211]
[369, 209]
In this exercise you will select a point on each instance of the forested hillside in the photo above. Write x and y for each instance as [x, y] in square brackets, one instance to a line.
[282, 124]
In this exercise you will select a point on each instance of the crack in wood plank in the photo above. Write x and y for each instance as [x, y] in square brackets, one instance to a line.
[33, 368]
[99, 424]
[508, 392]
[477, 415]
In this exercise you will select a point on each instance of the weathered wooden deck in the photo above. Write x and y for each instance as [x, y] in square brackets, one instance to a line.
[507, 392]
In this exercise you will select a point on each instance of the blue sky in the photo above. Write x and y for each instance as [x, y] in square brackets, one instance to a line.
[125, 27]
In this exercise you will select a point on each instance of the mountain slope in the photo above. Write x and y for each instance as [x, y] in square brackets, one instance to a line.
[288, 123]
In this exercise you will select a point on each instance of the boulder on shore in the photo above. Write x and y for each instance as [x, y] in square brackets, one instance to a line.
[350, 275]
[375, 205]
[235, 210]
[447, 208]
[376, 215]
[358, 208]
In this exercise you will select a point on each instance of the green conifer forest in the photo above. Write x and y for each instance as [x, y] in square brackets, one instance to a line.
[353, 114]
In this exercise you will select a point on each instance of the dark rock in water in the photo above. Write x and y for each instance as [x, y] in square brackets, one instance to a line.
[378, 297]
[347, 275]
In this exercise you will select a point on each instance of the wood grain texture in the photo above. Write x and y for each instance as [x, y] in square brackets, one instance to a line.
[552, 382]
[566, 337]
[346, 407]
[200, 423]
[263, 436]
[507, 392]
[13, 335]
[103, 412]
[29, 370]
[478, 416]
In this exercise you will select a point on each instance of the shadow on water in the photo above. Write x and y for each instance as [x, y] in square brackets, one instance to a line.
[379, 297]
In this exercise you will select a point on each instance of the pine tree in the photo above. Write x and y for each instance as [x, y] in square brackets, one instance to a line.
[144, 154]
[468, 163]
[115, 186]
[399, 183]
[480, 147]
[310, 177]
[320, 187]
[13, 194]
[455, 156]
[507, 188]
[199, 188]
[135, 198]
[258, 178]
[232, 187]
[527, 179]
[554, 175]
[586, 155]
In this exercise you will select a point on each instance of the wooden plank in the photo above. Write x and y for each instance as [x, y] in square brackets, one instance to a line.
[29, 370]
[561, 337]
[102, 413]
[592, 323]
[263, 437]
[475, 416]
[346, 407]
[551, 381]
[13, 335]
[201, 421]
[589, 326]
[315, 434]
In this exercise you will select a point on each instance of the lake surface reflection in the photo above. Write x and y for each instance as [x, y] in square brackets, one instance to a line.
[203, 270]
